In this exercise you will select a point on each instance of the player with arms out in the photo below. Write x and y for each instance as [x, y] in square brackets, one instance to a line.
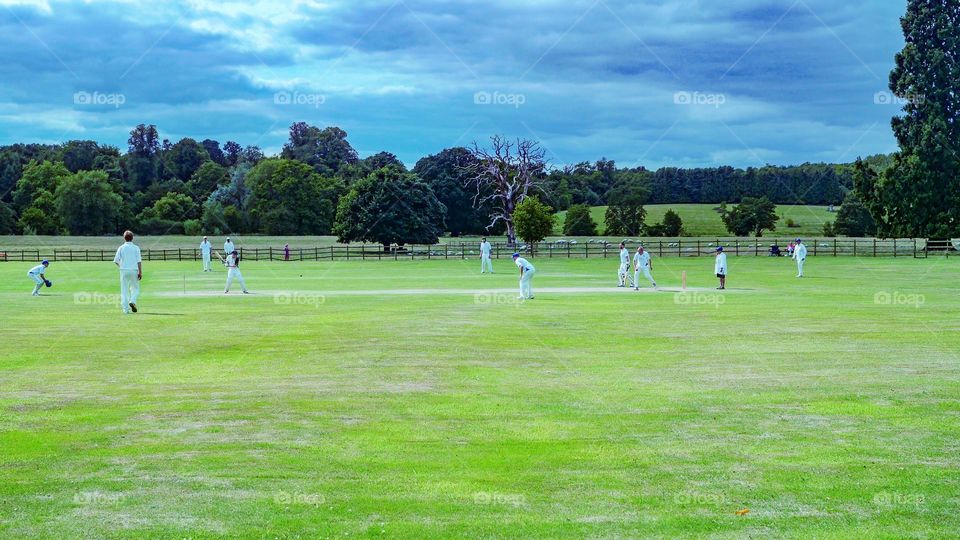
[233, 272]
[720, 268]
[642, 263]
[130, 263]
[37, 274]
[526, 274]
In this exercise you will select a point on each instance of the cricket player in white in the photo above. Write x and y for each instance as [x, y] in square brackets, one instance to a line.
[526, 274]
[36, 274]
[228, 247]
[485, 262]
[233, 271]
[131, 272]
[800, 255]
[205, 250]
[642, 263]
[624, 265]
[720, 267]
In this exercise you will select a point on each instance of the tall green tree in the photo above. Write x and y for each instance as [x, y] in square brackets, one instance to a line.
[88, 204]
[390, 206]
[751, 216]
[625, 212]
[326, 150]
[854, 219]
[289, 197]
[919, 195]
[579, 222]
[533, 220]
[184, 158]
[447, 174]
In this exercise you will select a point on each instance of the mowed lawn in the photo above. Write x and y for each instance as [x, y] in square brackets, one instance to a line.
[704, 220]
[827, 407]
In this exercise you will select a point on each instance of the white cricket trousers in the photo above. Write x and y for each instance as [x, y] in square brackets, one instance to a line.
[646, 272]
[206, 262]
[38, 281]
[622, 275]
[129, 289]
[486, 264]
[526, 290]
[800, 267]
[235, 273]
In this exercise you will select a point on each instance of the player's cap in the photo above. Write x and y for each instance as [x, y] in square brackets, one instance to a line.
[515, 255]
[45, 262]
[719, 248]
[798, 240]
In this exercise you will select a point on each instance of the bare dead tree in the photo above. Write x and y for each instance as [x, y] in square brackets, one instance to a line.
[503, 175]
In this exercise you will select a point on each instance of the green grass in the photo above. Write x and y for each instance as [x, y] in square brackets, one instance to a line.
[306, 411]
[703, 219]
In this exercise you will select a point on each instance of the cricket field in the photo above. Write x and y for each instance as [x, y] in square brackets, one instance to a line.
[415, 399]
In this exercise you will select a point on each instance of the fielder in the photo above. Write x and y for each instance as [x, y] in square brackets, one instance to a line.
[485, 262]
[228, 246]
[720, 268]
[526, 274]
[642, 263]
[130, 264]
[624, 265]
[233, 271]
[800, 255]
[205, 249]
[37, 275]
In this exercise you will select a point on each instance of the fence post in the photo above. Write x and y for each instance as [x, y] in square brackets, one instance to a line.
[874, 247]
[894, 248]
[834, 246]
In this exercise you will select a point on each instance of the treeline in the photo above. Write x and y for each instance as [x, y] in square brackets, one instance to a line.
[318, 185]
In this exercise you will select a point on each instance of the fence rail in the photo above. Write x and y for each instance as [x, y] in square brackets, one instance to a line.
[688, 247]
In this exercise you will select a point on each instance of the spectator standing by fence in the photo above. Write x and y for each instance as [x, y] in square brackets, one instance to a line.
[286, 252]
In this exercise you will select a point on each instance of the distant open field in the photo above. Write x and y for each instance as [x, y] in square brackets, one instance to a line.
[418, 399]
[703, 219]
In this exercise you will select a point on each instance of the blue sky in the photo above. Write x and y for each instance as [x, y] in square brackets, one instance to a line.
[654, 83]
